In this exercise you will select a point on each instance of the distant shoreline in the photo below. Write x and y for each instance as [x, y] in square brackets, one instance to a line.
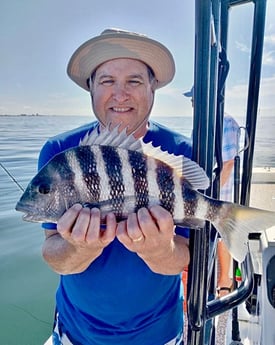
[41, 115]
[153, 116]
[22, 115]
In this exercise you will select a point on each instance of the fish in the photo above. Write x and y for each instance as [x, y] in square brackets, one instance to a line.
[117, 173]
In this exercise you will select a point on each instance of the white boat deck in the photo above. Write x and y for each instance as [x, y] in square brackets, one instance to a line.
[262, 194]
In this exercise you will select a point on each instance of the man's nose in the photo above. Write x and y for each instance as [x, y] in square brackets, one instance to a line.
[120, 92]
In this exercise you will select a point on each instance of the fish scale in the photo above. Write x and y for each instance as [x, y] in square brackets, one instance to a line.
[138, 165]
[89, 171]
[191, 206]
[113, 167]
[165, 180]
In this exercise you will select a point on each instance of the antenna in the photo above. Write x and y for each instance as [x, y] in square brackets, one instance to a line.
[13, 179]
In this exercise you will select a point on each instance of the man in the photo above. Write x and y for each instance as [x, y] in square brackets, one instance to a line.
[121, 284]
[230, 148]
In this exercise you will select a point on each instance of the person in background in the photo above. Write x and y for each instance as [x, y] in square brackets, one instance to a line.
[119, 285]
[230, 148]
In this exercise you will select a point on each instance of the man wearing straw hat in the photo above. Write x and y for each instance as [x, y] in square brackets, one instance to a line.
[120, 285]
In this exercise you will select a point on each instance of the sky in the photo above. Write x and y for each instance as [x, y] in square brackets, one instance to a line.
[38, 37]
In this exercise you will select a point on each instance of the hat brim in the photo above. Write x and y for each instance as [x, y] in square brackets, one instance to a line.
[103, 48]
[188, 94]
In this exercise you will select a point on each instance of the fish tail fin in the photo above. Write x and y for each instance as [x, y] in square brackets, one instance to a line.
[237, 223]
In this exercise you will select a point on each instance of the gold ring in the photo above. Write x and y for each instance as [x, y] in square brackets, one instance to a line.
[138, 239]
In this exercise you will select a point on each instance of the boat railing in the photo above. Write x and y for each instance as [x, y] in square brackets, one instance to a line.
[236, 297]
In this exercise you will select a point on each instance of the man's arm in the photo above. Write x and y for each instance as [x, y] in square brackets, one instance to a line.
[226, 171]
[224, 256]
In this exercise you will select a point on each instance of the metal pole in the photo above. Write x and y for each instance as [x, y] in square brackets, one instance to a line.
[253, 96]
[199, 240]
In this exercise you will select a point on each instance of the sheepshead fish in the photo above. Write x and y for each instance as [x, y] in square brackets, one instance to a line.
[115, 172]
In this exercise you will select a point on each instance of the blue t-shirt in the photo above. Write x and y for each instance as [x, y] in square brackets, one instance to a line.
[118, 300]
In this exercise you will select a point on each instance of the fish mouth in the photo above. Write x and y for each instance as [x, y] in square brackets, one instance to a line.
[28, 211]
[20, 208]
[31, 218]
[33, 215]
[23, 207]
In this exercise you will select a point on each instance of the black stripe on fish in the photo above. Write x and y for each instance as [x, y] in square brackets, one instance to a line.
[63, 161]
[88, 165]
[213, 210]
[113, 168]
[138, 164]
[191, 200]
[165, 181]
[61, 165]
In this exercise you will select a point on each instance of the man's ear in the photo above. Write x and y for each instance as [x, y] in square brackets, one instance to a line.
[154, 84]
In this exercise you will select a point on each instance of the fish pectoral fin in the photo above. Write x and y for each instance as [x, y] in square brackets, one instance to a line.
[91, 205]
[104, 206]
[107, 206]
[192, 223]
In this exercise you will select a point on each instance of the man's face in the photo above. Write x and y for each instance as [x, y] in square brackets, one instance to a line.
[123, 94]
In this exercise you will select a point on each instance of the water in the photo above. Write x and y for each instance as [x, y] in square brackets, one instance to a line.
[27, 284]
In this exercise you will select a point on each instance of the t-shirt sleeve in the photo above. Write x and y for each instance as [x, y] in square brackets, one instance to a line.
[230, 139]
[184, 232]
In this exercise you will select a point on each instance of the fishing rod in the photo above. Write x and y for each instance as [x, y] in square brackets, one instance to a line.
[12, 178]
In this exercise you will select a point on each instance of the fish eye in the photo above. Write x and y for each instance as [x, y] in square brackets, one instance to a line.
[44, 188]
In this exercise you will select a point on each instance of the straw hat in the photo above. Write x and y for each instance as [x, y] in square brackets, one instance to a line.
[116, 43]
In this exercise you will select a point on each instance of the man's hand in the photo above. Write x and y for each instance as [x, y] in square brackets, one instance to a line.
[81, 227]
[150, 233]
[78, 240]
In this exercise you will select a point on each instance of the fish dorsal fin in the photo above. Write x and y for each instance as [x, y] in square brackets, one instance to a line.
[112, 137]
[183, 166]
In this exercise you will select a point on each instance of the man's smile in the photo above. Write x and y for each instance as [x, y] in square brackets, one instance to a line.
[121, 109]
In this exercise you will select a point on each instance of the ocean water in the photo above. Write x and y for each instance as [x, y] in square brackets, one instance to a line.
[28, 286]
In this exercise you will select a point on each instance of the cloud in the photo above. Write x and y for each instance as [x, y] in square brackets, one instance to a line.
[242, 47]
[269, 47]
[236, 97]
[269, 58]
[170, 101]
[266, 99]
[267, 87]
[270, 39]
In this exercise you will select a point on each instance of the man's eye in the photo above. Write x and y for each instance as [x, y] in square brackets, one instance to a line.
[134, 82]
[107, 82]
